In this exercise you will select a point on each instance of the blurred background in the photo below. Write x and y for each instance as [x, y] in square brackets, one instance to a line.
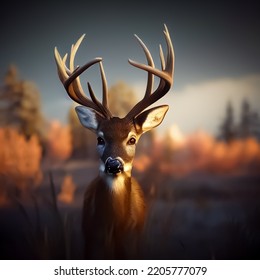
[199, 170]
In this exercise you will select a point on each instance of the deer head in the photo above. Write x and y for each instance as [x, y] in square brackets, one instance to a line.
[117, 137]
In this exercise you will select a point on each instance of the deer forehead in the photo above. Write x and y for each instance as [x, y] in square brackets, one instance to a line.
[116, 129]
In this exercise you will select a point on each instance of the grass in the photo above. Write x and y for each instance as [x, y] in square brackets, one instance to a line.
[187, 219]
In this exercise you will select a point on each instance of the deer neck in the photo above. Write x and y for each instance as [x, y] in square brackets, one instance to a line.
[118, 188]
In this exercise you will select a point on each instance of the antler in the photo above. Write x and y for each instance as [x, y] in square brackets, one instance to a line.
[165, 75]
[70, 79]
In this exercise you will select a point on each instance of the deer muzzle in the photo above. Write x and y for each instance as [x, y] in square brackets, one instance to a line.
[114, 166]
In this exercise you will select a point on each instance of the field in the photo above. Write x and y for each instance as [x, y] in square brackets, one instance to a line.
[197, 216]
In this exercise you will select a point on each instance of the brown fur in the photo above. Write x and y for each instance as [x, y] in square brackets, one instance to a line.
[112, 219]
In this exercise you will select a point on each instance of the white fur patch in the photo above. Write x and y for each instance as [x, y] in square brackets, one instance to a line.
[102, 166]
[115, 183]
[101, 134]
[128, 167]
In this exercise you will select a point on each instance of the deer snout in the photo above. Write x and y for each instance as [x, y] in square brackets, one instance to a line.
[114, 166]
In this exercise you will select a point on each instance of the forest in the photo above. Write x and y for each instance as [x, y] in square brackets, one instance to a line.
[202, 190]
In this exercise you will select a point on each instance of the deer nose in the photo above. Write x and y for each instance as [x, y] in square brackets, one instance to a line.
[113, 166]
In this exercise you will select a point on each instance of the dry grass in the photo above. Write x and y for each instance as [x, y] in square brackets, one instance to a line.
[67, 192]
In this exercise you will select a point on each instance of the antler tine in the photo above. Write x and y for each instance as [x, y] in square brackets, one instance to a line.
[165, 75]
[150, 78]
[170, 52]
[104, 106]
[162, 58]
[64, 73]
[104, 85]
[70, 79]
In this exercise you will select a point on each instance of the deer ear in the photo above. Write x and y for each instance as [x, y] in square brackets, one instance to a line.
[150, 118]
[89, 118]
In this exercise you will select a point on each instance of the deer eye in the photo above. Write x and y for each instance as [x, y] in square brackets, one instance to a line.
[100, 141]
[131, 141]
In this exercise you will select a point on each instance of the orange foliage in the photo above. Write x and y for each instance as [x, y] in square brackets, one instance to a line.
[239, 156]
[59, 142]
[200, 152]
[20, 158]
[142, 162]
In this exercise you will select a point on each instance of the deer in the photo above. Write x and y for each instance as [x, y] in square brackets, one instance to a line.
[114, 205]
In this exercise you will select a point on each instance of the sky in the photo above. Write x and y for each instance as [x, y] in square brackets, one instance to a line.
[216, 48]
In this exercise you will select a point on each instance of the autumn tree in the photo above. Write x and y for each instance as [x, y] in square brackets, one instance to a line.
[249, 124]
[227, 128]
[58, 143]
[20, 162]
[121, 99]
[20, 105]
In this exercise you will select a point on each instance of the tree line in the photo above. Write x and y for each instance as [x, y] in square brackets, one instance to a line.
[247, 126]
[29, 141]
[20, 108]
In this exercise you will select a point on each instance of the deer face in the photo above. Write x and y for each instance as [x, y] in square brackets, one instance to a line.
[117, 138]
